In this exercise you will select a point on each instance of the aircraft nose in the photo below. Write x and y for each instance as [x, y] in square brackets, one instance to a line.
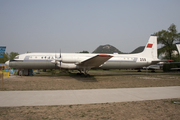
[7, 63]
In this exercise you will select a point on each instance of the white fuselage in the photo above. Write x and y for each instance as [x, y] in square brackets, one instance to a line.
[44, 61]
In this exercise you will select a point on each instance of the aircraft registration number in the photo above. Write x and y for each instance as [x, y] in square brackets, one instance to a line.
[142, 59]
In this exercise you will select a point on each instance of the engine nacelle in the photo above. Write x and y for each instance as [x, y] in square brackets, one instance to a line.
[67, 65]
[69, 59]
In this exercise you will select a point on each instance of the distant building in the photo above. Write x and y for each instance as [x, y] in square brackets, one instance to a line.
[2, 66]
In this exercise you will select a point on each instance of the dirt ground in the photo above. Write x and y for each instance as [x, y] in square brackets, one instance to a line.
[98, 80]
[146, 110]
[142, 110]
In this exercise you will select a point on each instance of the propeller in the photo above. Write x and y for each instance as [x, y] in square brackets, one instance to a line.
[60, 59]
[56, 60]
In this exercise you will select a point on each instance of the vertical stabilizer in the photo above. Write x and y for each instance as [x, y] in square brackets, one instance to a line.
[150, 49]
[178, 47]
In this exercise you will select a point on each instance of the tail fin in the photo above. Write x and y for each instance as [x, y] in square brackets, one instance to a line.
[150, 49]
[178, 47]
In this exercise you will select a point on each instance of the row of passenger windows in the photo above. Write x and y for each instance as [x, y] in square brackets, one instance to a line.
[53, 57]
[42, 57]
[128, 58]
[17, 57]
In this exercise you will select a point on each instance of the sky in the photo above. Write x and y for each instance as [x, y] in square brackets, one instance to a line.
[77, 25]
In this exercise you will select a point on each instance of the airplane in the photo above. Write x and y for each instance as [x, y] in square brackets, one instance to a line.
[178, 47]
[84, 62]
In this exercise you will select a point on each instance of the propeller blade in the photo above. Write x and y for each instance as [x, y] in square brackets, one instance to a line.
[60, 60]
[60, 54]
[57, 61]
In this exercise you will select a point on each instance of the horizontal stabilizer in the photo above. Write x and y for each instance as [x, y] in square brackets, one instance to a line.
[157, 61]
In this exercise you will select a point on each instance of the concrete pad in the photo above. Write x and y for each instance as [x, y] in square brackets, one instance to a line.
[70, 97]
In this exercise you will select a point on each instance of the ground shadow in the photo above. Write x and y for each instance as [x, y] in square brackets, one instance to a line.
[83, 78]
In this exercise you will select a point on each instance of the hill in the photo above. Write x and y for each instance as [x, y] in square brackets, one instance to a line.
[111, 49]
[138, 50]
[107, 49]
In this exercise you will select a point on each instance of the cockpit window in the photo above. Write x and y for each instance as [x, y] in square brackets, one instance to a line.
[17, 57]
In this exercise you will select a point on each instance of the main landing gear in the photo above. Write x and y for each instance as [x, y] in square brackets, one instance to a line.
[83, 72]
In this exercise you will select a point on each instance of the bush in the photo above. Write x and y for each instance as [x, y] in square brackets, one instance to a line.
[167, 67]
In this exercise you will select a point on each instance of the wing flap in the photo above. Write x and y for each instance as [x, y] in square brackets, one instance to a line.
[95, 61]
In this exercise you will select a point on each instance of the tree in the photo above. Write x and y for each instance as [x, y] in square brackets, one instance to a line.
[84, 52]
[168, 39]
[12, 55]
[4, 58]
[7, 57]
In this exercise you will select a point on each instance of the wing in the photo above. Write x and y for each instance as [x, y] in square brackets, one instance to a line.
[95, 61]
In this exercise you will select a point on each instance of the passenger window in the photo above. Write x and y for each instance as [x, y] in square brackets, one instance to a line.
[17, 57]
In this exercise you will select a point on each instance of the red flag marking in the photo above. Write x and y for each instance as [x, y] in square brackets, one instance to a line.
[149, 45]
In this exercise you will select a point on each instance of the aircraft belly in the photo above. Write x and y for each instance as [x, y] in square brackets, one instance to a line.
[126, 65]
[131, 65]
[32, 64]
[111, 65]
[123, 65]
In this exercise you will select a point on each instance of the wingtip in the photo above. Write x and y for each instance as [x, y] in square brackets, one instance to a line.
[104, 55]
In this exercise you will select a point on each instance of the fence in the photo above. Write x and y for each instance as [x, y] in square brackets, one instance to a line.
[2, 80]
